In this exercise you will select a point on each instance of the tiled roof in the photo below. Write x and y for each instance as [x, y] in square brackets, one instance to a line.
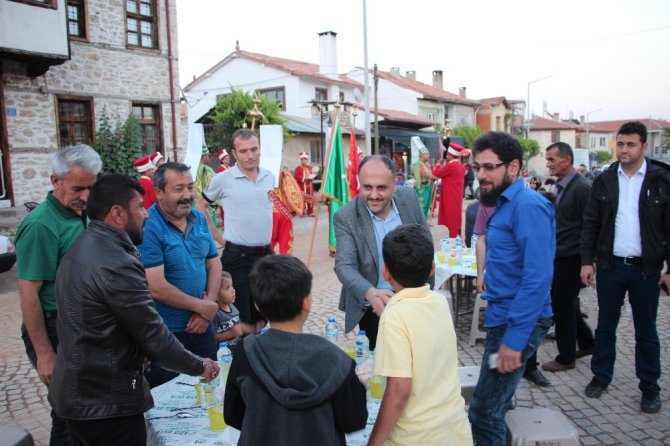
[295, 67]
[494, 101]
[538, 123]
[613, 126]
[397, 115]
[428, 91]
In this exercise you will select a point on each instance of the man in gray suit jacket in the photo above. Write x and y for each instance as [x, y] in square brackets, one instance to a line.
[360, 227]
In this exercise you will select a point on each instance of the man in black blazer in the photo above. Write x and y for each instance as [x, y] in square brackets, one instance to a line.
[572, 196]
[360, 226]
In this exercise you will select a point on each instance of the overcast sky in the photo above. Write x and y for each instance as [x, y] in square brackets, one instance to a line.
[611, 56]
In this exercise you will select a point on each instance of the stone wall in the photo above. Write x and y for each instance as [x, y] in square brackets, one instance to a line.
[101, 68]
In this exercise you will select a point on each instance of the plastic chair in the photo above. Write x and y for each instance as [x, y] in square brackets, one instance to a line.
[475, 333]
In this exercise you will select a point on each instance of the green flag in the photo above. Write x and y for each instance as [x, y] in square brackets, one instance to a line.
[336, 188]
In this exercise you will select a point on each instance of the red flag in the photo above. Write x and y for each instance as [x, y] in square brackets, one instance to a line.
[352, 165]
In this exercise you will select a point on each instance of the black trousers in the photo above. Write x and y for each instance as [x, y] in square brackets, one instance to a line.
[238, 261]
[59, 434]
[571, 329]
[122, 431]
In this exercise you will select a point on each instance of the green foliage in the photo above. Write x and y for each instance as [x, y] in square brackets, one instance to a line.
[468, 133]
[507, 119]
[531, 148]
[118, 146]
[603, 156]
[666, 139]
[232, 113]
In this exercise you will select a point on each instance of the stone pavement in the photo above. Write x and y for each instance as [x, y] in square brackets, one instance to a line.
[614, 419]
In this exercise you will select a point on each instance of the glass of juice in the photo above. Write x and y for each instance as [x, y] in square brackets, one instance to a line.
[440, 257]
[376, 387]
[216, 421]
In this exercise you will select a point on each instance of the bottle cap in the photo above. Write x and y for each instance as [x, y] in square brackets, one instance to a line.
[361, 333]
[331, 319]
[223, 344]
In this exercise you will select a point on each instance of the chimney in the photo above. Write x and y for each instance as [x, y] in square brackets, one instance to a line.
[437, 79]
[582, 121]
[461, 92]
[395, 71]
[328, 54]
[557, 117]
[410, 75]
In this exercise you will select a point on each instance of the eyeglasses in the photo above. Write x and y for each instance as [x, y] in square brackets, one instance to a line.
[488, 167]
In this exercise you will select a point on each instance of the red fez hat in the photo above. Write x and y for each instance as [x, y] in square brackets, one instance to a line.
[142, 164]
[221, 154]
[455, 149]
[155, 157]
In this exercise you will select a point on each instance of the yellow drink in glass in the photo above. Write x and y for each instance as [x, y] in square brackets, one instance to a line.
[216, 421]
[452, 260]
[208, 390]
[351, 351]
[440, 256]
[198, 395]
[473, 265]
[376, 387]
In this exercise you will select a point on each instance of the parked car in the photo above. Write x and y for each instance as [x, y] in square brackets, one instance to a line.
[7, 254]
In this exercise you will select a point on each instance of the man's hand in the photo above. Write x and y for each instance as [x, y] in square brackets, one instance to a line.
[45, 366]
[588, 275]
[211, 371]
[207, 309]
[508, 359]
[481, 287]
[378, 299]
[197, 324]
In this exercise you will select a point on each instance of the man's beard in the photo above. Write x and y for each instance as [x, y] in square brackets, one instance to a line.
[490, 198]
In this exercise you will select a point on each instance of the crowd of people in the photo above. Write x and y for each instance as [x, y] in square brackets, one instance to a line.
[119, 295]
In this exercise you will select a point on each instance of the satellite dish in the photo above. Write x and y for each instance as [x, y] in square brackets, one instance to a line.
[358, 95]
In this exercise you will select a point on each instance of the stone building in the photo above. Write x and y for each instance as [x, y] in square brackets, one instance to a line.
[63, 61]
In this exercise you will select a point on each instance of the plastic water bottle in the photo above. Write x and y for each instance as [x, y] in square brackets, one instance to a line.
[459, 241]
[224, 358]
[362, 347]
[473, 242]
[332, 333]
[445, 245]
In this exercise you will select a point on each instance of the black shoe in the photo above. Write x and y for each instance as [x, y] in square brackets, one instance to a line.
[651, 401]
[595, 388]
[536, 377]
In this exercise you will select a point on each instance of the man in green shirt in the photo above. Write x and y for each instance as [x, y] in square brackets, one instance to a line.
[43, 237]
[423, 178]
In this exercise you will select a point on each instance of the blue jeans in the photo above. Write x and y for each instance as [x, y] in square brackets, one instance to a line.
[203, 345]
[643, 295]
[493, 394]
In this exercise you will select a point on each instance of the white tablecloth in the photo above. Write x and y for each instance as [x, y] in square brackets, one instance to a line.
[178, 395]
[443, 272]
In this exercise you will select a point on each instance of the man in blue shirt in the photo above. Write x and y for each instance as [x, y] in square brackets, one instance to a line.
[521, 240]
[182, 268]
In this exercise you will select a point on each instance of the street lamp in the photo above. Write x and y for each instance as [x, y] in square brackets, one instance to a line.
[588, 140]
[528, 97]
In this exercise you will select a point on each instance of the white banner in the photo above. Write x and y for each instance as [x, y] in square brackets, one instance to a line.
[272, 143]
[196, 138]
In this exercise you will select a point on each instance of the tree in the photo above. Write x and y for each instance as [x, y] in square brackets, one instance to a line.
[232, 113]
[603, 156]
[469, 133]
[118, 146]
[531, 148]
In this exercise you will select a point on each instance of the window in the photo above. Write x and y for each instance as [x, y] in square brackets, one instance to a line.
[603, 141]
[141, 23]
[555, 136]
[341, 96]
[321, 94]
[75, 121]
[431, 116]
[315, 151]
[75, 18]
[275, 94]
[150, 124]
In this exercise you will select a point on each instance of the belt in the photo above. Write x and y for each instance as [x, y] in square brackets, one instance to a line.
[248, 250]
[629, 260]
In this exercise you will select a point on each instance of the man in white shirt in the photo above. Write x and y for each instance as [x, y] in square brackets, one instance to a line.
[627, 234]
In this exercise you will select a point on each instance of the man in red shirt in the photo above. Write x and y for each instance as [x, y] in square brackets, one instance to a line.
[452, 173]
[222, 155]
[304, 175]
[145, 167]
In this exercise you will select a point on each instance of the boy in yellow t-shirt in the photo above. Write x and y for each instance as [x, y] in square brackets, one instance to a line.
[416, 351]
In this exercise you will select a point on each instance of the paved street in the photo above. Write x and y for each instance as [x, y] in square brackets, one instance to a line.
[614, 419]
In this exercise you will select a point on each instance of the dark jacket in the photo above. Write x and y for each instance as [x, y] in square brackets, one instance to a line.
[597, 241]
[107, 325]
[570, 216]
[293, 389]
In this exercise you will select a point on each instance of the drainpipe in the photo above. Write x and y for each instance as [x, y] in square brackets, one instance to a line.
[170, 68]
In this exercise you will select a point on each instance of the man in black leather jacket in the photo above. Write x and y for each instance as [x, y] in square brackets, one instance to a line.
[108, 324]
[626, 233]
